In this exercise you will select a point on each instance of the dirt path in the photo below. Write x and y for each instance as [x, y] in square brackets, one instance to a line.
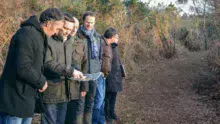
[170, 92]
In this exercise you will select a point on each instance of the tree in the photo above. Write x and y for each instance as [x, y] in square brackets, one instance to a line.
[215, 4]
[182, 1]
[185, 16]
[201, 8]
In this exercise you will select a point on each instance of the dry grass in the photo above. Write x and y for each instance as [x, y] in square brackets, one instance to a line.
[12, 13]
[190, 39]
[136, 43]
[8, 23]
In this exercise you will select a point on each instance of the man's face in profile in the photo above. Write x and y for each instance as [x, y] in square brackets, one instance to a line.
[54, 27]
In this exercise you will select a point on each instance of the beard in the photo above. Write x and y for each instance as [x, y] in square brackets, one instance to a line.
[59, 36]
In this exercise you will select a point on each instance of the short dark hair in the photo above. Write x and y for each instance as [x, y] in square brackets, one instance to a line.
[88, 13]
[68, 17]
[51, 14]
[109, 32]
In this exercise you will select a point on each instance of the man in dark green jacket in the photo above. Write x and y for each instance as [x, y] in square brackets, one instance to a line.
[22, 76]
[57, 69]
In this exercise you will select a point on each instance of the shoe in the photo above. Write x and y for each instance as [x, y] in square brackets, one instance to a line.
[113, 116]
[78, 119]
[87, 118]
[108, 119]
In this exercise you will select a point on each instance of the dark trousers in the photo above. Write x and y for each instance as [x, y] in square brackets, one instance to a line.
[110, 100]
[54, 113]
[74, 109]
[83, 104]
[89, 99]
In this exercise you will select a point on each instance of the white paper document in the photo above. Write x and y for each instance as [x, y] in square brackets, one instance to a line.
[89, 77]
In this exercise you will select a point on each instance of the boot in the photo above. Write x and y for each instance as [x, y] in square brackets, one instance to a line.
[112, 106]
[106, 108]
[107, 115]
[87, 118]
[78, 119]
[113, 115]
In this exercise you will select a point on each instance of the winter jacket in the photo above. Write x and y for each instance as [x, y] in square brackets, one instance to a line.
[22, 75]
[57, 69]
[79, 60]
[106, 57]
[94, 65]
[114, 79]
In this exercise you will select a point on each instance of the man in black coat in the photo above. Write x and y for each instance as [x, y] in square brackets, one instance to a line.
[22, 76]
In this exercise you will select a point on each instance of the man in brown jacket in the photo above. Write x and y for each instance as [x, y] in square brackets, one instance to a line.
[77, 89]
[107, 52]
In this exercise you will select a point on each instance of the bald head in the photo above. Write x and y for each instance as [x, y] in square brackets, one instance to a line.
[75, 28]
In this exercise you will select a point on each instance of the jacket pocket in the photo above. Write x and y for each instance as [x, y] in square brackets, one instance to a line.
[28, 90]
[74, 90]
[79, 50]
[54, 90]
[78, 55]
[23, 88]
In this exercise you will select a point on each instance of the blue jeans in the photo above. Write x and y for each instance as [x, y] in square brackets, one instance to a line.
[2, 117]
[7, 119]
[98, 116]
[54, 113]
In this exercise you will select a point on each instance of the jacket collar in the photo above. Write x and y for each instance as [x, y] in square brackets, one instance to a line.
[105, 40]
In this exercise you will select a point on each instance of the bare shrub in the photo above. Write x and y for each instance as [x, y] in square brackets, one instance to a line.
[190, 39]
[214, 59]
[140, 40]
[8, 23]
[12, 14]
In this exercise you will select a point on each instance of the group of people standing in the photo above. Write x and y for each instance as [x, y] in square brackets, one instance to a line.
[43, 54]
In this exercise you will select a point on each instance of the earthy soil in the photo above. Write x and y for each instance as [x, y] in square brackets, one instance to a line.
[175, 91]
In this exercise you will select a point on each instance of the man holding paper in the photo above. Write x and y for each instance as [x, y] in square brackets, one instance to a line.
[57, 69]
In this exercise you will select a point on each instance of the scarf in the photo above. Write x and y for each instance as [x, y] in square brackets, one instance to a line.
[93, 45]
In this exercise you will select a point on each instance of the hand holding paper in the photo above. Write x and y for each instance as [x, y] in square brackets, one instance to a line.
[77, 74]
[87, 77]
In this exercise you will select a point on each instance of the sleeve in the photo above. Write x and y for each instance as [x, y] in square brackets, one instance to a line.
[52, 65]
[101, 50]
[84, 86]
[25, 58]
[106, 60]
[84, 65]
